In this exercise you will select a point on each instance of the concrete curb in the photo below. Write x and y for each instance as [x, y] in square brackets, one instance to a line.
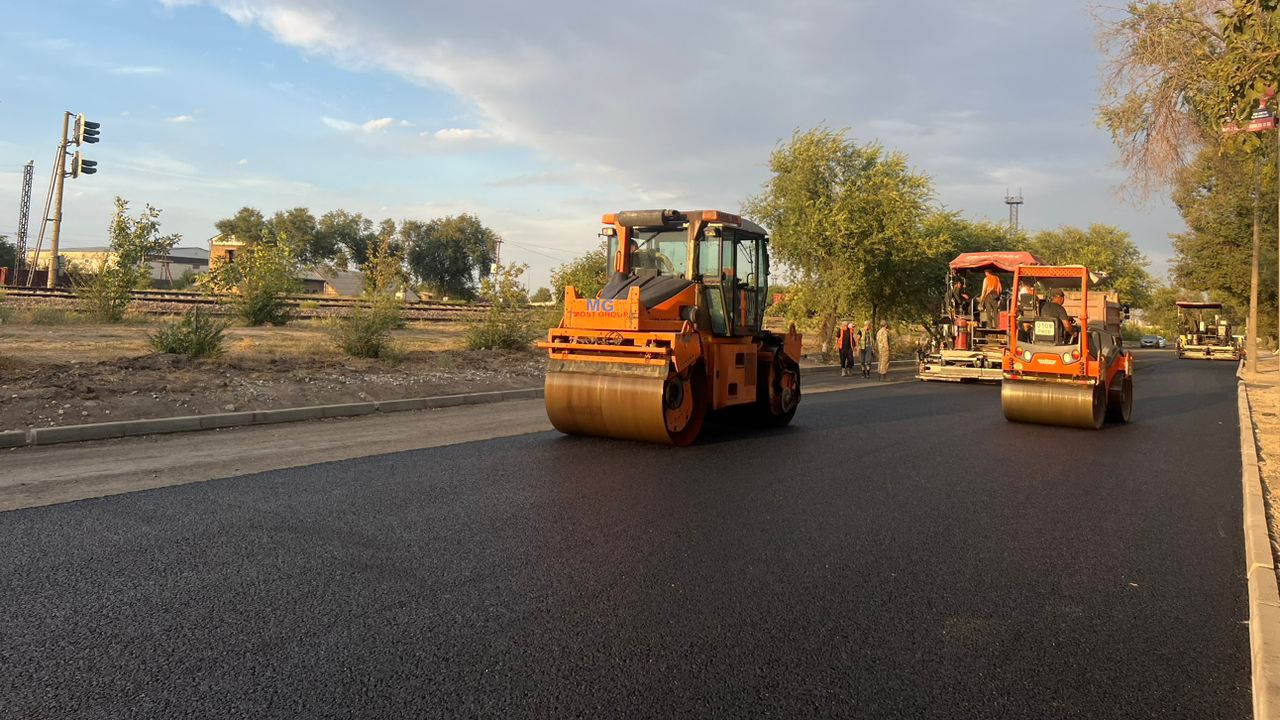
[191, 423]
[1260, 571]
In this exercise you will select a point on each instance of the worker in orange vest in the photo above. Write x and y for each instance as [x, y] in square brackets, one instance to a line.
[991, 299]
[847, 344]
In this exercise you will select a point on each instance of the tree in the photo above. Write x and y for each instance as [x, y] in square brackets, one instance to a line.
[351, 233]
[541, 295]
[105, 294]
[449, 254]
[847, 220]
[247, 225]
[1216, 196]
[506, 325]
[1103, 249]
[8, 254]
[587, 274]
[261, 277]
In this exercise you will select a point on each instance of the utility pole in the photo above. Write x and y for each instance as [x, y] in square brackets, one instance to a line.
[1251, 332]
[59, 174]
[24, 214]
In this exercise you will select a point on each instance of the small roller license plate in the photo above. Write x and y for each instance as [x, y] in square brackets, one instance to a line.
[1044, 327]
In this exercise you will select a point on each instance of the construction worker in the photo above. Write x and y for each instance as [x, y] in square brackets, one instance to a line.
[847, 345]
[1053, 309]
[990, 298]
[868, 341]
[1028, 308]
[956, 299]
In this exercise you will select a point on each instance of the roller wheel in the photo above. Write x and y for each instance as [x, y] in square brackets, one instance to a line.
[778, 391]
[1120, 400]
[684, 405]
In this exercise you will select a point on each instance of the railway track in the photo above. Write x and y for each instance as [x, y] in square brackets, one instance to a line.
[171, 302]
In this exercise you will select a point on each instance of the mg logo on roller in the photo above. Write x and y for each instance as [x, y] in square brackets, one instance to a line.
[598, 305]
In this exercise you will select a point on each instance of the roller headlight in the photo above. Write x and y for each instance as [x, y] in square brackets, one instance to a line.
[1026, 355]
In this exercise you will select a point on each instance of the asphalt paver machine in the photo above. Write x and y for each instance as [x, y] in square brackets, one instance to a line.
[966, 350]
[1055, 376]
[1205, 332]
[676, 333]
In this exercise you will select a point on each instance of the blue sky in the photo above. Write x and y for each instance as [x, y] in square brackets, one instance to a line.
[538, 117]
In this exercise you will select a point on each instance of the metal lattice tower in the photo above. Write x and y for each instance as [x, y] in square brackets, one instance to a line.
[1014, 202]
[24, 212]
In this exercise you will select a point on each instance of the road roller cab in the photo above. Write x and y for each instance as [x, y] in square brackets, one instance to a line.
[676, 333]
[1066, 363]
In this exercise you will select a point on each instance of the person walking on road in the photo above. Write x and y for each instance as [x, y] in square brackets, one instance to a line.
[882, 350]
[847, 344]
[867, 339]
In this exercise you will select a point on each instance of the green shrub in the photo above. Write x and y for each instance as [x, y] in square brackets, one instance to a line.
[105, 295]
[198, 334]
[366, 331]
[508, 324]
[260, 281]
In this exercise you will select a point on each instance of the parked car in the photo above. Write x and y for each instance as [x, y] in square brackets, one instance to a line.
[1149, 341]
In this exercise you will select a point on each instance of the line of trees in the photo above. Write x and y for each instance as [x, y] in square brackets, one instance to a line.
[447, 256]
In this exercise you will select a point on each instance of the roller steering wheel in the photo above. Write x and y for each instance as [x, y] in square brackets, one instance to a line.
[664, 264]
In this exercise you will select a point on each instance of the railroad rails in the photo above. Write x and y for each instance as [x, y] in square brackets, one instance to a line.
[173, 302]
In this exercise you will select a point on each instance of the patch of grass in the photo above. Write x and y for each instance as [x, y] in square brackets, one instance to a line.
[197, 335]
[51, 316]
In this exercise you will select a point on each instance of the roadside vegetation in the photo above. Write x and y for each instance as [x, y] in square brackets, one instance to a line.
[196, 335]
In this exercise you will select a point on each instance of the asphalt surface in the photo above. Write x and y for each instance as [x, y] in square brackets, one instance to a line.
[898, 552]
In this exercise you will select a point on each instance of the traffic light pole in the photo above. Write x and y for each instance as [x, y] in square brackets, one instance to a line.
[59, 175]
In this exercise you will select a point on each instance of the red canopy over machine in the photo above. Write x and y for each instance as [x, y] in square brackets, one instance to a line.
[1005, 261]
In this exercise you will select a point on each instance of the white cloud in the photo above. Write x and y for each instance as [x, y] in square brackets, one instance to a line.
[138, 70]
[180, 119]
[242, 161]
[460, 134]
[369, 127]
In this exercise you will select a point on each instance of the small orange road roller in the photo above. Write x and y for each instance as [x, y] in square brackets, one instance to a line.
[1065, 365]
[676, 333]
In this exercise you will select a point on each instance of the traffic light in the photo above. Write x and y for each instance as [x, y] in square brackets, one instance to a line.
[86, 130]
[80, 166]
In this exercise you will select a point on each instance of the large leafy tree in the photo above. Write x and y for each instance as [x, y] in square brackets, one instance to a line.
[1104, 249]
[847, 219]
[449, 255]
[351, 234]
[1216, 197]
[247, 225]
[587, 274]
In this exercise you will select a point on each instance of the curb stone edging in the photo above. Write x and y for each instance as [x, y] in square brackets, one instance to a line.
[1260, 572]
[191, 423]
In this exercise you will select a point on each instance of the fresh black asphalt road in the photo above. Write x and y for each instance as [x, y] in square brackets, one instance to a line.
[899, 552]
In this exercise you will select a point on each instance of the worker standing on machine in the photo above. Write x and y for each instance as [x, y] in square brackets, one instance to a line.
[990, 298]
[956, 299]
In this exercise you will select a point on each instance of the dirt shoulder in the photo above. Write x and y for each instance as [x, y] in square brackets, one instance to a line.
[1264, 402]
[72, 374]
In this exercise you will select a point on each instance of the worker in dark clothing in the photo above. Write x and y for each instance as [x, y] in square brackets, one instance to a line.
[956, 299]
[1053, 309]
[847, 344]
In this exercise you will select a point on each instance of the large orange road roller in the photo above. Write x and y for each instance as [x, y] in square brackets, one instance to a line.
[1074, 373]
[676, 333]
